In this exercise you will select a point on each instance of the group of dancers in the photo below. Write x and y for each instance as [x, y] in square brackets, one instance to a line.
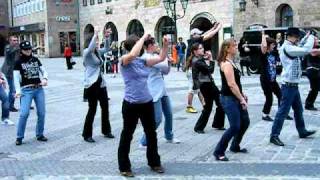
[143, 66]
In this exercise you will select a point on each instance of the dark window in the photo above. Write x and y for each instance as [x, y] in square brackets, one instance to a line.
[91, 2]
[108, 0]
[286, 17]
[85, 3]
[99, 1]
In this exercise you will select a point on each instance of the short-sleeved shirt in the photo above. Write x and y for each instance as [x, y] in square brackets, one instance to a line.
[268, 66]
[135, 76]
[29, 69]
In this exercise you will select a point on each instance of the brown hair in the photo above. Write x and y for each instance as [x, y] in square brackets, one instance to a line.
[131, 41]
[223, 50]
[193, 48]
[271, 41]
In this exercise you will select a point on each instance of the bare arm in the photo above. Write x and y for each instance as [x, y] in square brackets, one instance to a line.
[227, 69]
[135, 51]
[214, 30]
[264, 45]
[163, 53]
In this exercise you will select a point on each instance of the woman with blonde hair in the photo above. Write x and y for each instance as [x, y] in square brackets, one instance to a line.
[233, 101]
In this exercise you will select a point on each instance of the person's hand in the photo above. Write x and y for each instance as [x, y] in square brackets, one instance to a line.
[315, 52]
[17, 95]
[244, 104]
[44, 82]
[208, 55]
[146, 36]
[165, 40]
[245, 98]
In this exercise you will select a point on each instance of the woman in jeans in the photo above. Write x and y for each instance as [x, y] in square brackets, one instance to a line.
[29, 78]
[137, 103]
[95, 88]
[233, 101]
[202, 68]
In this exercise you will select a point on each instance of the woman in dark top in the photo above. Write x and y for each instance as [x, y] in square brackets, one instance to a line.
[202, 68]
[268, 75]
[233, 101]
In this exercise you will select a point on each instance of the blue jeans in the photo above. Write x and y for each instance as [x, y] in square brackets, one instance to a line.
[12, 92]
[163, 105]
[239, 122]
[290, 97]
[180, 61]
[27, 94]
[5, 103]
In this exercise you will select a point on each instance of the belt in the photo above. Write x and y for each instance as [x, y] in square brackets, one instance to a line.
[291, 84]
[33, 86]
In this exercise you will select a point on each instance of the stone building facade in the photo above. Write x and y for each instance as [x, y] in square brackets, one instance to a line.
[48, 24]
[280, 13]
[4, 25]
[138, 16]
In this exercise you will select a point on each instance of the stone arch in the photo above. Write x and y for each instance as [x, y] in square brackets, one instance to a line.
[204, 21]
[135, 27]
[114, 35]
[284, 16]
[165, 25]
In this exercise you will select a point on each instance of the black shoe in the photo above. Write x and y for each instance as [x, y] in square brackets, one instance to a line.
[276, 141]
[311, 108]
[19, 141]
[31, 107]
[127, 173]
[13, 109]
[267, 118]
[244, 150]
[157, 169]
[89, 139]
[199, 131]
[42, 138]
[109, 135]
[306, 134]
[220, 157]
[289, 118]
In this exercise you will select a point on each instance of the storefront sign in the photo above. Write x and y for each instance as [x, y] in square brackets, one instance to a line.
[63, 18]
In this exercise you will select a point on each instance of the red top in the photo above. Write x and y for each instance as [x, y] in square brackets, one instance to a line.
[67, 52]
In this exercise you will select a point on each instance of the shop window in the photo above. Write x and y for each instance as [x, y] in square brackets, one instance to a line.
[99, 1]
[85, 2]
[108, 0]
[91, 2]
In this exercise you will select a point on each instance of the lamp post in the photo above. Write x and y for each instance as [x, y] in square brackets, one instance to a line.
[170, 6]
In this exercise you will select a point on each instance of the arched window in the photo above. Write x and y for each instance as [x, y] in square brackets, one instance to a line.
[284, 16]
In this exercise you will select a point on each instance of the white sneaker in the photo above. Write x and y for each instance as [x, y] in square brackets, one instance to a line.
[173, 141]
[7, 122]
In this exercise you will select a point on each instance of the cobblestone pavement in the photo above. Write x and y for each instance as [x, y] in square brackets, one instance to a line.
[67, 156]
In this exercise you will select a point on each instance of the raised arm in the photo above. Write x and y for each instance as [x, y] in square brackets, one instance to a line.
[135, 51]
[301, 51]
[264, 45]
[163, 53]
[210, 33]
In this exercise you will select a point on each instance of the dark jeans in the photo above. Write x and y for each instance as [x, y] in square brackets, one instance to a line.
[314, 78]
[239, 122]
[269, 88]
[290, 97]
[94, 94]
[210, 92]
[68, 62]
[131, 113]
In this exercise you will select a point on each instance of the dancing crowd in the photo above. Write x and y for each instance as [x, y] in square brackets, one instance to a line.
[144, 63]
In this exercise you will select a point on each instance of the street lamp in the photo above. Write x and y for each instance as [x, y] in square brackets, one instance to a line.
[242, 4]
[170, 6]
